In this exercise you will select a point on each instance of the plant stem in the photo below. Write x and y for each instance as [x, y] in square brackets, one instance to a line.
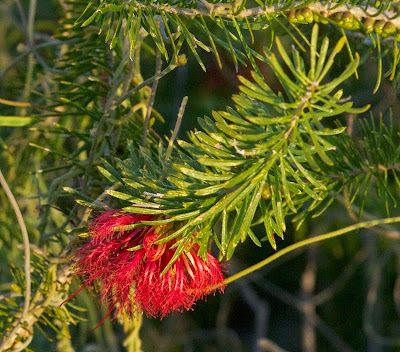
[226, 10]
[164, 72]
[32, 50]
[176, 129]
[132, 327]
[27, 268]
[292, 247]
[14, 103]
[151, 99]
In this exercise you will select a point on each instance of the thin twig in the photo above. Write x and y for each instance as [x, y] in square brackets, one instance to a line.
[28, 28]
[176, 128]
[269, 346]
[386, 230]
[151, 99]
[9, 295]
[308, 241]
[19, 104]
[52, 193]
[174, 64]
[23, 345]
[226, 11]
[27, 268]
[117, 79]
[45, 296]
[63, 257]
[35, 47]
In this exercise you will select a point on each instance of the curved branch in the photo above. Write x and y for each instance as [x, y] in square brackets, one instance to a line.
[227, 10]
[308, 241]
[27, 268]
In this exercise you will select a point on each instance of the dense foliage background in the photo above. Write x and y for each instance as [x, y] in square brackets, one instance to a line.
[57, 80]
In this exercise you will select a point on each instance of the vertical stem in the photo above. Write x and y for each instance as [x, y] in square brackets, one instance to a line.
[151, 99]
[131, 328]
[27, 268]
[176, 129]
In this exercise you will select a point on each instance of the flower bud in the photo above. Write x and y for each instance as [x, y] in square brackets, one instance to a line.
[337, 17]
[378, 26]
[356, 23]
[292, 16]
[182, 60]
[321, 17]
[369, 24]
[308, 15]
[266, 193]
[389, 28]
[299, 15]
[348, 19]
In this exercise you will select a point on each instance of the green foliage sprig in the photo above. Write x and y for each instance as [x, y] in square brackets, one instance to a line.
[263, 157]
[168, 21]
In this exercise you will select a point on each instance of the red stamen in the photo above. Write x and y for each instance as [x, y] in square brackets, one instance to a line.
[73, 295]
[132, 281]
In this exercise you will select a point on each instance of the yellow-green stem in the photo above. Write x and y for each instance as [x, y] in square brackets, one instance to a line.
[292, 247]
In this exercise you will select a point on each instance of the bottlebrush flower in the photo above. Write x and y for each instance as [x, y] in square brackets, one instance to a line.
[132, 281]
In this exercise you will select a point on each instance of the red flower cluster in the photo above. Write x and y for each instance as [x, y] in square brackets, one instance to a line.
[132, 281]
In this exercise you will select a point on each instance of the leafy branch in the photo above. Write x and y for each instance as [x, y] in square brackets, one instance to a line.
[238, 11]
[190, 22]
[263, 158]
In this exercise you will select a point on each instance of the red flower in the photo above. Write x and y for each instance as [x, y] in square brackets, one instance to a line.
[132, 281]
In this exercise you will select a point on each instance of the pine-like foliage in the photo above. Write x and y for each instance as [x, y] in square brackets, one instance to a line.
[294, 139]
[265, 155]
